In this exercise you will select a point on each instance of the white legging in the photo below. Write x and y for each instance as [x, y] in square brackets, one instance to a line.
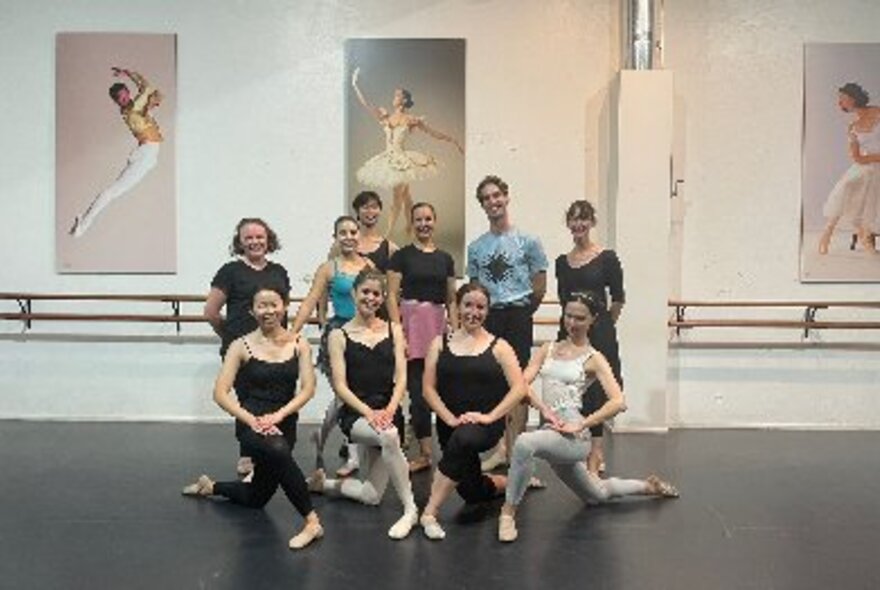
[565, 454]
[381, 460]
[141, 160]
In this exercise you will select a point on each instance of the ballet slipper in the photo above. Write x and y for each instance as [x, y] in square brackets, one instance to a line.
[315, 482]
[202, 487]
[536, 484]
[348, 468]
[403, 526]
[507, 532]
[244, 466]
[309, 533]
[432, 528]
[420, 463]
[659, 487]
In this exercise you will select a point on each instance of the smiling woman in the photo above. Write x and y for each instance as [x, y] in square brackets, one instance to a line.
[333, 280]
[369, 377]
[237, 281]
[472, 380]
[265, 366]
[567, 369]
[421, 297]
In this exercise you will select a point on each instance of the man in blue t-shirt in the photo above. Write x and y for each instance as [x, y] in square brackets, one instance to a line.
[513, 267]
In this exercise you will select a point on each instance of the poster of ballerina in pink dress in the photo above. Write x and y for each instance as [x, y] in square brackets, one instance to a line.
[115, 201]
[405, 109]
[840, 218]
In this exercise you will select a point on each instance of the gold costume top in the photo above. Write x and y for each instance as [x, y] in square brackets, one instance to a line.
[136, 114]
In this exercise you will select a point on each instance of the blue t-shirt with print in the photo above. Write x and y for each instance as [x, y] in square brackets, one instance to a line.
[505, 263]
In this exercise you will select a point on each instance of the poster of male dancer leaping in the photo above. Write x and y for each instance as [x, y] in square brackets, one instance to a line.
[115, 173]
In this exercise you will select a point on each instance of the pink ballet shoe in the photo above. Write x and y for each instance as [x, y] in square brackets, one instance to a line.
[305, 537]
[202, 487]
[659, 487]
[507, 532]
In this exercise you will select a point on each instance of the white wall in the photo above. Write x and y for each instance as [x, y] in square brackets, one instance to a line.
[738, 75]
[260, 133]
[644, 126]
[260, 128]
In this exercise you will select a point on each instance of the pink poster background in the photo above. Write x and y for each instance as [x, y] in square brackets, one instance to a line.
[136, 233]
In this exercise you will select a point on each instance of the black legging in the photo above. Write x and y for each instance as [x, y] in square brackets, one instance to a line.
[419, 412]
[461, 458]
[273, 466]
[516, 326]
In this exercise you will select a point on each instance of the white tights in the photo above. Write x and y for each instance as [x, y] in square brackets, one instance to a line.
[381, 460]
[141, 160]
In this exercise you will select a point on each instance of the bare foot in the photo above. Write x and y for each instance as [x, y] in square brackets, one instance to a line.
[824, 242]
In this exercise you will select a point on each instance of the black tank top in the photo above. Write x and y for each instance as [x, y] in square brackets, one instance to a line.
[263, 387]
[470, 383]
[369, 372]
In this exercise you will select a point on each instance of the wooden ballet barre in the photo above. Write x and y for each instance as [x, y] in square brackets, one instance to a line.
[28, 316]
[103, 317]
[816, 304]
[103, 297]
[816, 325]
[809, 321]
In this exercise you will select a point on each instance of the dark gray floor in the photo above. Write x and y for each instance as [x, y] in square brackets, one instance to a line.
[98, 506]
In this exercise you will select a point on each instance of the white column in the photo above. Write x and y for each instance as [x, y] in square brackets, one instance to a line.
[639, 215]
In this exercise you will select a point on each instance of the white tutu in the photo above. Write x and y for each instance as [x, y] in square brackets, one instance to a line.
[856, 197]
[397, 165]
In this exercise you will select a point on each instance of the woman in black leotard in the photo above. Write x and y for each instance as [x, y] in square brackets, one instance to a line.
[472, 380]
[369, 376]
[266, 365]
[589, 268]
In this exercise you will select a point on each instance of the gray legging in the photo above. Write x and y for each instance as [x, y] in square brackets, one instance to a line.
[565, 453]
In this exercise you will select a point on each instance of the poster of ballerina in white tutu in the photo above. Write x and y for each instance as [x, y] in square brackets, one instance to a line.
[841, 163]
[405, 109]
[115, 202]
